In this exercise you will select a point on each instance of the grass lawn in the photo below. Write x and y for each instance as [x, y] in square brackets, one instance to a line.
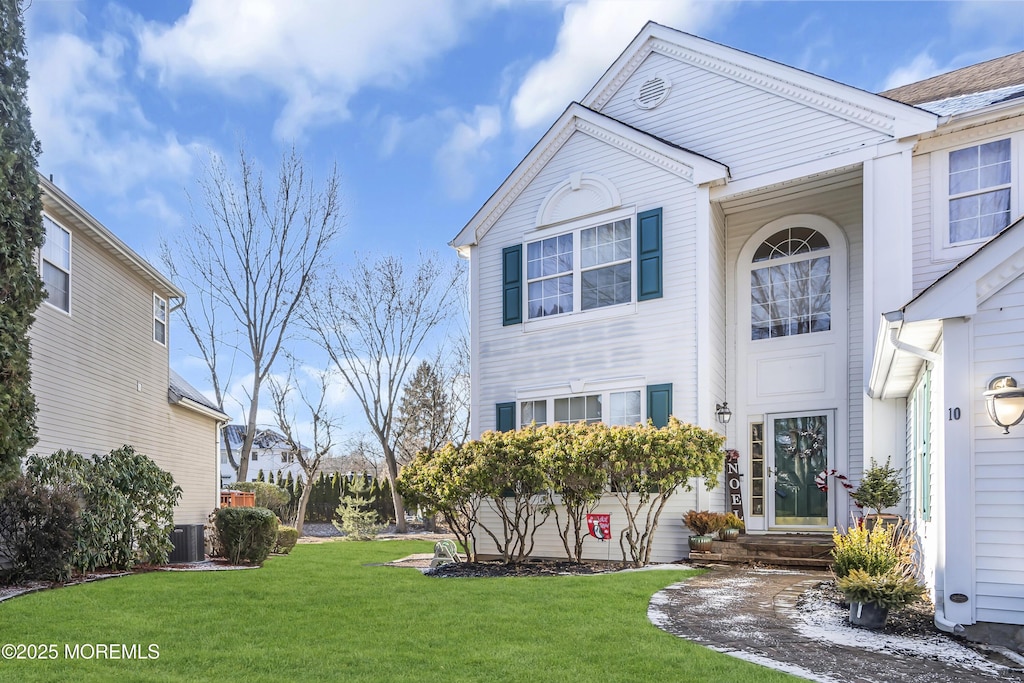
[323, 614]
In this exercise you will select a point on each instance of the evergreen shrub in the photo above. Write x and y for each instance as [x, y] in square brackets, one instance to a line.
[246, 534]
[287, 537]
[37, 531]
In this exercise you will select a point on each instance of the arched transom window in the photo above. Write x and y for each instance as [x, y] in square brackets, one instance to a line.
[791, 285]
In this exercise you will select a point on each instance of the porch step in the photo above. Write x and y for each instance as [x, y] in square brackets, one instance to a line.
[785, 550]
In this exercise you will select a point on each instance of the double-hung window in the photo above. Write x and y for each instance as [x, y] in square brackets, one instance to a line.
[979, 191]
[582, 270]
[55, 265]
[159, 320]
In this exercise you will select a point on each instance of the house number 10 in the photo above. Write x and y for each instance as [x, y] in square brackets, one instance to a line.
[954, 414]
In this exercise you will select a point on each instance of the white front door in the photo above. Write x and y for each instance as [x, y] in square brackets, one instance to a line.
[798, 447]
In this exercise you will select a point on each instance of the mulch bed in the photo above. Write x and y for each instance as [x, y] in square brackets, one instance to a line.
[527, 568]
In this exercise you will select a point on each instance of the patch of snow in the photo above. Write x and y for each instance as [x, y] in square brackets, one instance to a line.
[821, 619]
[774, 664]
[767, 570]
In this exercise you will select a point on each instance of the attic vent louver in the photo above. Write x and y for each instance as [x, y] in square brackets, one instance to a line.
[652, 92]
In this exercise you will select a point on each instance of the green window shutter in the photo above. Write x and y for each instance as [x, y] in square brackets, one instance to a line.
[505, 417]
[512, 285]
[648, 255]
[659, 403]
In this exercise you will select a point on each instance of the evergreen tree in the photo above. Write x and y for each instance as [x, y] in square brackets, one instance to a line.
[21, 290]
[427, 413]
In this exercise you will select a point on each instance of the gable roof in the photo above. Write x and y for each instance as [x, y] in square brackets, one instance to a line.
[61, 206]
[265, 439]
[879, 113]
[994, 74]
[686, 164]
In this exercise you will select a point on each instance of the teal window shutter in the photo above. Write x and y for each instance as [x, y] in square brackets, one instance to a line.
[505, 417]
[512, 285]
[659, 403]
[648, 255]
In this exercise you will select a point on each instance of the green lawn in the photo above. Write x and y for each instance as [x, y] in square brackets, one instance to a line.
[324, 614]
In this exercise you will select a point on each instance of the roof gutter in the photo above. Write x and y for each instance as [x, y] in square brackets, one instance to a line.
[895, 320]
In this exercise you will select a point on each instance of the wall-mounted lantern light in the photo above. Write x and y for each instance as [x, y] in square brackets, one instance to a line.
[723, 413]
[1004, 402]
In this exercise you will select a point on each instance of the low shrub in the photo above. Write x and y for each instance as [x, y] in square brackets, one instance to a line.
[287, 537]
[704, 523]
[37, 531]
[883, 549]
[891, 590]
[246, 534]
[732, 521]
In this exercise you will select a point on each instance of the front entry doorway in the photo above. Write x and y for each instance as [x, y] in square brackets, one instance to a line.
[799, 447]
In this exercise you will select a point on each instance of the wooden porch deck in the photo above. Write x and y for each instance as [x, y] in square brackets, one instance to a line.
[785, 550]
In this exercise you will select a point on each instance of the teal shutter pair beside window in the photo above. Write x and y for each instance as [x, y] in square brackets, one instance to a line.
[649, 261]
[659, 407]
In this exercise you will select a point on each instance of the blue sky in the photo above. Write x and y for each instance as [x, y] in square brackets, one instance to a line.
[425, 105]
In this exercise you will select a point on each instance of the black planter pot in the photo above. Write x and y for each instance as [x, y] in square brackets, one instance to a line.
[868, 614]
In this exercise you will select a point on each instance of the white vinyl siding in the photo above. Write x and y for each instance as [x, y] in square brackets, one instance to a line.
[998, 467]
[750, 130]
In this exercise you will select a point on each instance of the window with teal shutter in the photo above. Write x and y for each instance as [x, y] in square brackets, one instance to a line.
[659, 403]
[512, 285]
[648, 255]
[505, 417]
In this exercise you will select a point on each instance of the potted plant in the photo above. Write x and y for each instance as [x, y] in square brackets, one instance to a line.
[732, 527]
[872, 596]
[879, 489]
[704, 524]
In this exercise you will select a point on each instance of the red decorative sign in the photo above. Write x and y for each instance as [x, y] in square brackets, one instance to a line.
[600, 526]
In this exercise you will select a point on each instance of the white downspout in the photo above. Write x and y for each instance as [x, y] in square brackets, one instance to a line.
[944, 624]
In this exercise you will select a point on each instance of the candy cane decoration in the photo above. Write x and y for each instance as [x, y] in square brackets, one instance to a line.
[821, 481]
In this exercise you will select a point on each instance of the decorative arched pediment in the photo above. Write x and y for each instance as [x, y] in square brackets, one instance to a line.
[582, 194]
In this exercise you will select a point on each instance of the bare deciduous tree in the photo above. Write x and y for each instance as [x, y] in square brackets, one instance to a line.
[248, 262]
[372, 324]
[323, 425]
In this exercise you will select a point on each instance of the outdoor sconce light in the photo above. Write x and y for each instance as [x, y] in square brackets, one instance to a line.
[1004, 402]
[724, 414]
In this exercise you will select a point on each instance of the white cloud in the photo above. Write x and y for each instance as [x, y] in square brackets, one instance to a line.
[922, 67]
[90, 127]
[592, 35]
[317, 54]
[465, 149]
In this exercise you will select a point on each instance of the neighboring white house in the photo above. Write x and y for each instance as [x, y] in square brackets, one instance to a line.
[708, 227]
[270, 453]
[100, 371]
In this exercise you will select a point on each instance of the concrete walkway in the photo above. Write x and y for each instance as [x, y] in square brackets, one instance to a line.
[752, 614]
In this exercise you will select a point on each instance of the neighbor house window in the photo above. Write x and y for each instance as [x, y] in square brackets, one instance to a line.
[56, 265]
[533, 412]
[791, 285]
[580, 270]
[624, 408]
[159, 320]
[979, 191]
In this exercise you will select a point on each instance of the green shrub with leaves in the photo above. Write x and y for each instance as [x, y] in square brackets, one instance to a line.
[37, 531]
[891, 590]
[881, 550]
[287, 537]
[270, 496]
[732, 521]
[127, 511]
[356, 517]
[246, 534]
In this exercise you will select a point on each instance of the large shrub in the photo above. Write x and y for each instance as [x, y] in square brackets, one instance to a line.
[441, 483]
[287, 537]
[37, 531]
[127, 505]
[246, 534]
[574, 457]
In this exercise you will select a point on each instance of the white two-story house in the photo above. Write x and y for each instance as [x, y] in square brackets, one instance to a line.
[708, 231]
[100, 370]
